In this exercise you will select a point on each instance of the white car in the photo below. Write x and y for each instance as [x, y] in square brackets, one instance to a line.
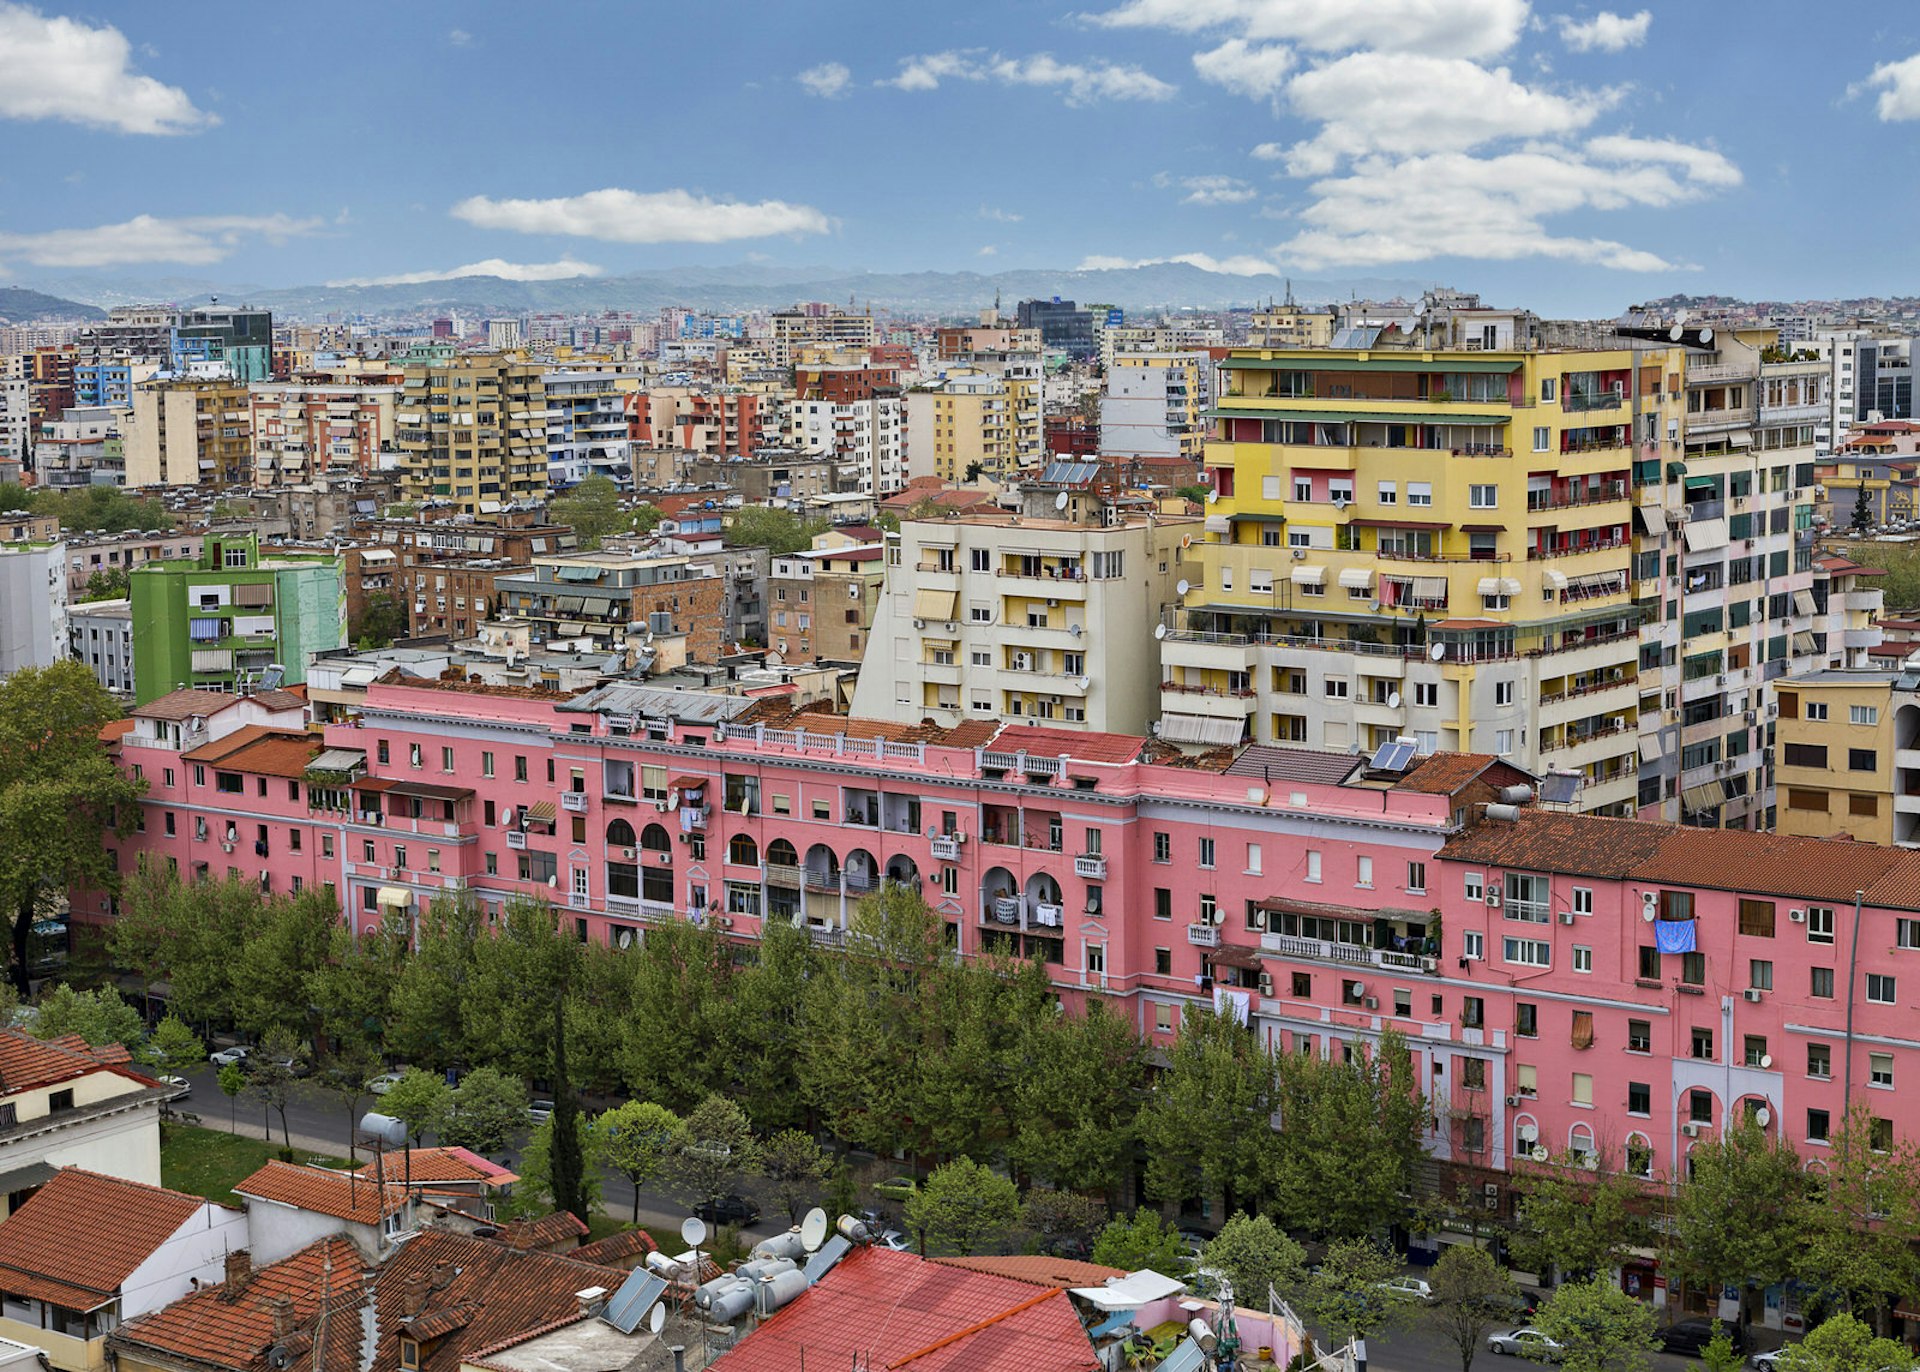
[894, 1239]
[1767, 1361]
[228, 1057]
[1526, 1343]
[540, 1111]
[1410, 1287]
[180, 1084]
[384, 1083]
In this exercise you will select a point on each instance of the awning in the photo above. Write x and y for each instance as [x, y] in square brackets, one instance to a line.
[1509, 585]
[1709, 796]
[1483, 528]
[395, 895]
[1703, 535]
[377, 555]
[1429, 588]
[428, 790]
[1368, 364]
[1309, 576]
[1219, 524]
[1652, 519]
[1211, 730]
[360, 676]
[542, 811]
[1652, 747]
[1246, 959]
[1803, 642]
[1364, 417]
[932, 603]
[338, 760]
[1555, 580]
[1130, 1292]
[576, 574]
[1357, 578]
[33, 1174]
[1287, 905]
[1803, 603]
[1491, 585]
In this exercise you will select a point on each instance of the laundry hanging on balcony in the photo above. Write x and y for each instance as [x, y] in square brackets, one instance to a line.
[1673, 935]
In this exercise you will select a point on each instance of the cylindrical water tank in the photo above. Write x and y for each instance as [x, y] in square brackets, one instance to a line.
[732, 1303]
[762, 1268]
[1516, 795]
[704, 1296]
[852, 1230]
[787, 1245]
[1509, 813]
[770, 1295]
[1203, 1335]
[665, 1266]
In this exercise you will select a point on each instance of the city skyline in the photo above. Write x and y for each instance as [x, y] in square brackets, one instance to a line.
[1569, 157]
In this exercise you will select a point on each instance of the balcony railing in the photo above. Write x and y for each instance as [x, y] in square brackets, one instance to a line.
[573, 800]
[945, 847]
[1090, 866]
[1352, 954]
[1203, 936]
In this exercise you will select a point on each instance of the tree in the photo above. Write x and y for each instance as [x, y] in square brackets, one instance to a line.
[1139, 1241]
[780, 532]
[1862, 521]
[1256, 1256]
[1349, 1139]
[484, 1108]
[1844, 1344]
[962, 1206]
[592, 509]
[233, 1080]
[1576, 1221]
[637, 1141]
[1718, 1354]
[1600, 1327]
[796, 1169]
[1471, 1295]
[534, 1194]
[108, 584]
[172, 1047]
[1196, 493]
[99, 1016]
[273, 968]
[343, 1075]
[1206, 1124]
[1858, 1225]
[1347, 1295]
[1075, 1101]
[62, 798]
[646, 518]
[432, 985]
[187, 934]
[271, 1068]
[1057, 1217]
[566, 1146]
[715, 1150]
[420, 1100]
[1738, 1216]
[382, 618]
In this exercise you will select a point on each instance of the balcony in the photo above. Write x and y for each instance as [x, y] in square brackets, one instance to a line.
[1203, 936]
[516, 838]
[1349, 954]
[574, 800]
[1090, 866]
[785, 877]
[945, 847]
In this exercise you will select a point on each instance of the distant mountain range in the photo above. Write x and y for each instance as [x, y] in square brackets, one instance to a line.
[18, 306]
[751, 286]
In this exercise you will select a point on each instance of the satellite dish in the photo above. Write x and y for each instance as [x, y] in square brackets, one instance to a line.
[1212, 496]
[1676, 333]
[1060, 501]
[1763, 1117]
[799, 920]
[1539, 1152]
[1393, 700]
[1766, 1060]
[656, 1318]
[1436, 652]
[1647, 913]
[1183, 586]
[813, 1229]
[1084, 682]
[1682, 315]
[1706, 335]
[693, 1231]
[1159, 631]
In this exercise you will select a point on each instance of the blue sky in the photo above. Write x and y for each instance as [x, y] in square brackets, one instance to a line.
[1570, 156]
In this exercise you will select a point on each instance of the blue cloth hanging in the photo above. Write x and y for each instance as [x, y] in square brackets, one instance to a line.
[1673, 935]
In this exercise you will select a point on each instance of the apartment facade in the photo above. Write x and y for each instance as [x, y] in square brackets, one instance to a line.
[666, 610]
[189, 432]
[33, 605]
[588, 430]
[792, 330]
[1036, 616]
[821, 602]
[100, 634]
[977, 421]
[854, 417]
[1433, 544]
[304, 428]
[472, 432]
[1153, 406]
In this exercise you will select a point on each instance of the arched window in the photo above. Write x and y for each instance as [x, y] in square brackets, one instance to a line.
[780, 853]
[1639, 1156]
[742, 851]
[620, 834]
[1580, 1144]
[1526, 1136]
[654, 839]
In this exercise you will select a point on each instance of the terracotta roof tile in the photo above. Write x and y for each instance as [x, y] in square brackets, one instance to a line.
[323, 1191]
[262, 751]
[1069, 743]
[616, 1250]
[185, 704]
[1037, 1269]
[1543, 841]
[440, 1165]
[543, 1233]
[1316, 765]
[1445, 774]
[1898, 887]
[82, 1234]
[27, 1062]
[278, 699]
[232, 1325]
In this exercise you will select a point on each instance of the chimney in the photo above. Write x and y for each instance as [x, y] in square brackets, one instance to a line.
[413, 1294]
[282, 1318]
[239, 1266]
[679, 1352]
[591, 1299]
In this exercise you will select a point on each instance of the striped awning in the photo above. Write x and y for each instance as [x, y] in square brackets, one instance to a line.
[1357, 578]
[1309, 576]
[1210, 730]
[933, 603]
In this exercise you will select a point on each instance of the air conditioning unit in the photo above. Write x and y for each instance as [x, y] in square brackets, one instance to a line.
[1512, 1101]
[226, 845]
[666, 859]
[1299, 554]
[1493, 900]
[919, 623]
[1693, 1129]
[1053, 604]
[629, 853]
[1372, 1002]
[1566, 917]
[1752, 993]
[1266, 983]
[1796, 916]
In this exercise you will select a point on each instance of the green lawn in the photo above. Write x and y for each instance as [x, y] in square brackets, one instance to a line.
[207, 1162]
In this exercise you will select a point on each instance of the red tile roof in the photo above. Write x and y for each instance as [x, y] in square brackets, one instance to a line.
[261, 750]
[617, 1250]
[1081, 747]
[233, 1325]
[1444, 774]
[440, 1165]
[545, 1233]
[83, 1233]
[343, 1195]
[28, 1063]
[892, 1310]
[1037, 1269]
[185, 704]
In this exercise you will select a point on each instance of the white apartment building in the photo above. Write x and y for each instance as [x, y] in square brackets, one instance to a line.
[1153, 403]
[100, 634]
[870, 434]
[33, 605]
[1047, 615]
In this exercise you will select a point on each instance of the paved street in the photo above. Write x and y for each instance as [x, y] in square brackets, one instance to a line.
[1419, 1348]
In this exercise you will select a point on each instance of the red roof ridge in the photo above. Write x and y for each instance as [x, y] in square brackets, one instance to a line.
[1045, 1295]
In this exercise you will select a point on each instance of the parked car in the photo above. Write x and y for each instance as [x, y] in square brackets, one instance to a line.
[1410, 1288]
[180, 1084]
[1690, 1336]
[1768, 1361]
[539, 1111]
[897, 1189]
[1522, 1304]
[229, 1057]
[1526, 1343]
[894, 1239]
[384, 1083]
[729, 1210]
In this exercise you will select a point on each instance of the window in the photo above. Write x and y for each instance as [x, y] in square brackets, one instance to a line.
[382, 751]
[1163, 847]
[1880, 989]
[1863, 714]
[1482, 497]
[1473, 1012]
[1820, 983]
[1760, 974]
[1582, 958]
[1503, 693]
[415, 756]
[1582, 1088]
[1526, 1020]
[1639, 1098]
[1880, 1135]
[1526, 1079]
[1753, 1050]
[1819, 924]
[486, 764]
[1337, 688]
[1542, 439]
[1473, 944]
[1162, 1018]
[1880, 1069]
[1313, 864]
[1162, 903]
[520, 767]
[1416, 878]
[1426, 693]
[1820, 1061]
[1583, 900]
[1253, 859]
[1303, 984]
[1700, 1107]
[1419, 493]
[1389, 493]
[1693, 969]
[1756, 918]
[1582, 1029]
[1206, 852]
[1402, 1002]
[1527, 952]
[1906, 933]
[1473, 1073]
[409, 1353]
[1863, 806]
[1817, 1126]
[1163, 962]
[1475, 886]
[1815, 709]
[1503, 741]
[1863, 760]
[1703, 1044]
[1303, 488]
[1526, 897]
[1363, 872]
[1639, 1036]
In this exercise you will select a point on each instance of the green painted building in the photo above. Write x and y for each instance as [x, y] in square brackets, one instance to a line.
[231, 616]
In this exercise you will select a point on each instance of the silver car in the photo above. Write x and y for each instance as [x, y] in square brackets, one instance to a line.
[1526, 1343]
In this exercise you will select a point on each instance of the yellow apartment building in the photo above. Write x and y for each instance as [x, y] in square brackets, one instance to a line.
[1838, 745]
[473, 431]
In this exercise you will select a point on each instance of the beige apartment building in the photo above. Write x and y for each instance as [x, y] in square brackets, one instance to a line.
[822, 601]
[303, 429]
[976, 420]
[189, 432]
[473, 431]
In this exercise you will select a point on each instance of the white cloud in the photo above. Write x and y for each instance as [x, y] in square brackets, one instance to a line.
[1244, 265]
[1702, 166]
[1000, 216]
[1407, 103]
[1899, 86]
[1388, 211]
[988, 251]
[1208, 190]
[59, 68]
[1081, 83]
[829, 80]
[1447, 28]
[1606, 31]
[197, 241]
[622, 216]
[1245, 69]
[1269, 152]
[563, 270]
[459, 38]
